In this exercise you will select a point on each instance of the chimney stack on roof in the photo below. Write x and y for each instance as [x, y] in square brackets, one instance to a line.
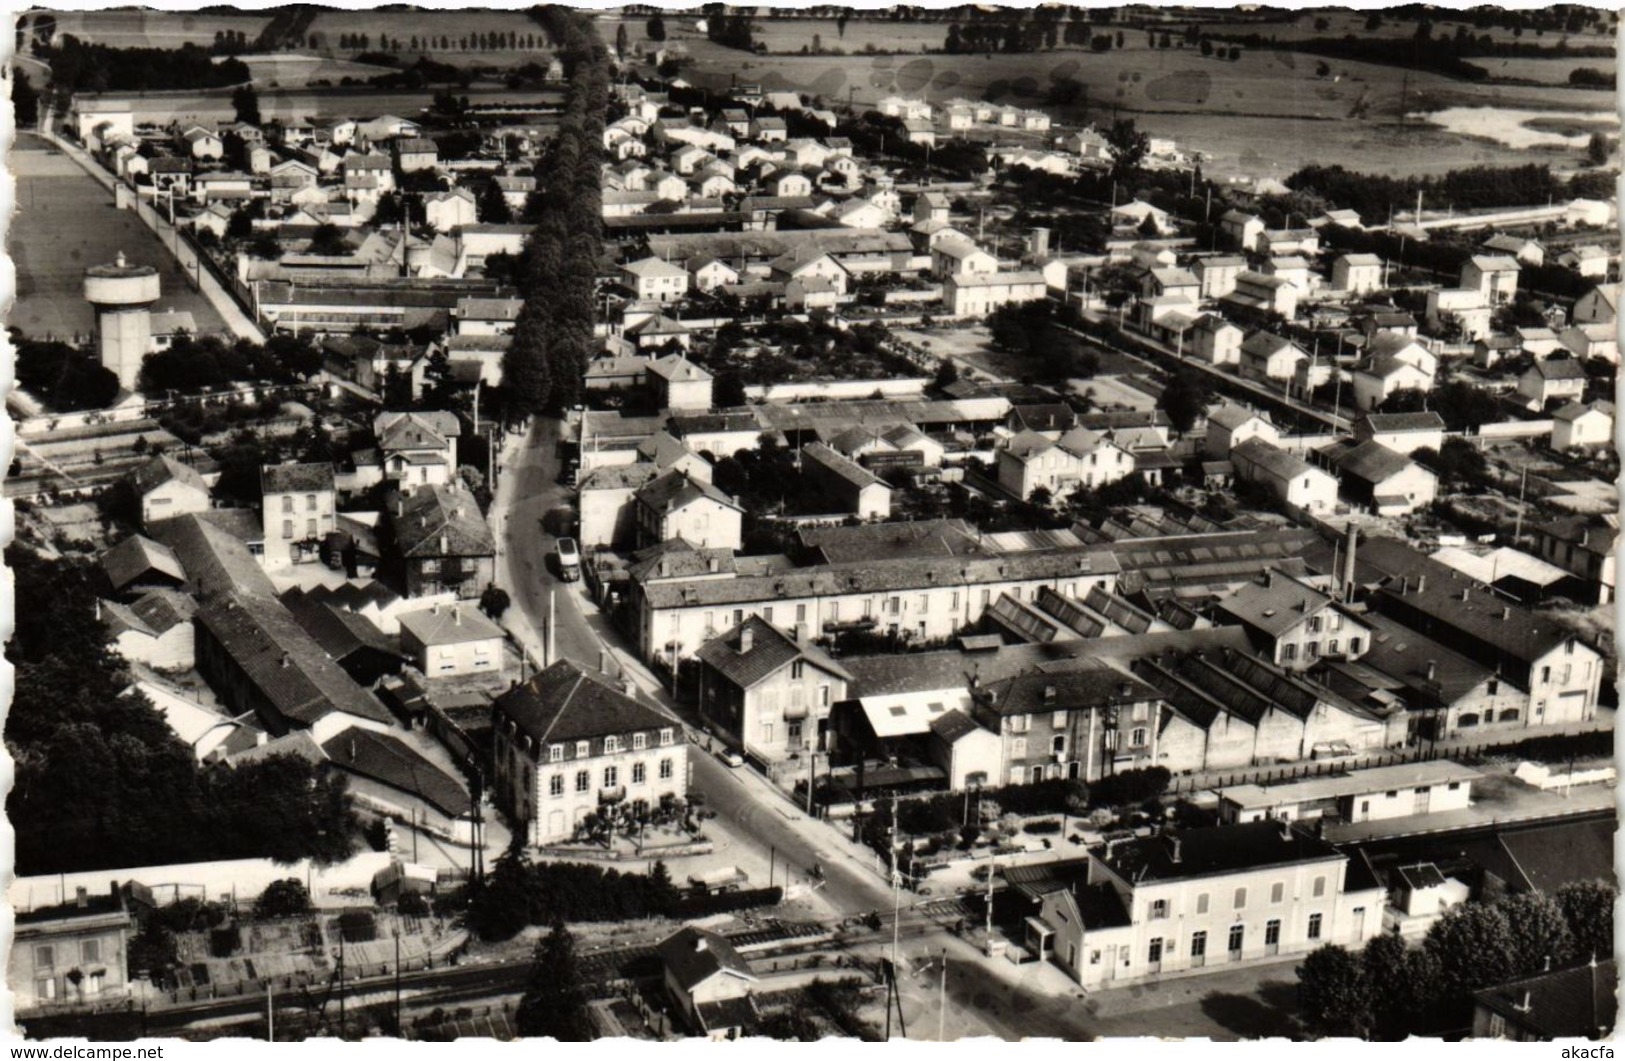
[746, 638]
[1506, 613]
[1421, 583]
[81, 897]
[701, 944]
[1433, 669]
[1174, 853]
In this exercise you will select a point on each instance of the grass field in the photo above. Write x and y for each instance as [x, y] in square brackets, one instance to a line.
[142, 28]
[66, 222]
[1546, 71]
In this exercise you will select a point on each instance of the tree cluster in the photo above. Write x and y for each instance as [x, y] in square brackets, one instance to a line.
[80, 66]
[1464, 406]
[191, 365]
[1375, 195]
[102, 781]
[875, 134]
[1388, 991]
[62, 377]
[730, 28]
[545, 367]
[519, 892]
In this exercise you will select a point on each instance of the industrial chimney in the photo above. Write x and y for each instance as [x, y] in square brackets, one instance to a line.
[1348, 564]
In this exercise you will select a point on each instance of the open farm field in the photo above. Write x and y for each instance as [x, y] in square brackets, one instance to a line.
[66, 222]
[1546, 71]
[1245, 114]
[292, 70]
[142, 28]
[786, 36]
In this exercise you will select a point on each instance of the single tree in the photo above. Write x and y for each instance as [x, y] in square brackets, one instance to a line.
[493, 205]
[554, 1004]
[655, 28]
[623, 43]
[1588, 906]
[505, 902]
[1333, 994]
[1599, 149]
[24, 99]
[283, 898]
[1185, 398]
[246, 102]
[1473, 945]
[1540, 932]
[947, 373]
[494, 601]
[1128, 146]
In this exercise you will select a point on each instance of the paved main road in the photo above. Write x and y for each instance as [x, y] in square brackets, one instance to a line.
[530, 508]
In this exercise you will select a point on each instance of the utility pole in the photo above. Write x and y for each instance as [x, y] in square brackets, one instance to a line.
[942, 1001]
[547, 635]
[398, 1029]
[270, 1013]
[1517, 525]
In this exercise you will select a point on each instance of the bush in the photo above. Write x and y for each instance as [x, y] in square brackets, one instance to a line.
[412, 904]
[1045, 827]
[358, 926]
[692, 906]
[1130, 787]
[223, 942]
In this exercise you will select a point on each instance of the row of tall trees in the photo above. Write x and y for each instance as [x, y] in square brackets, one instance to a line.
[545, 367]
[1388, 990]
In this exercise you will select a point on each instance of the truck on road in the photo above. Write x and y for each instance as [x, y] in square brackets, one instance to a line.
[726, 879]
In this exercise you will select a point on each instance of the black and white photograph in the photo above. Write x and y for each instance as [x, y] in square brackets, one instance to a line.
[812, 523]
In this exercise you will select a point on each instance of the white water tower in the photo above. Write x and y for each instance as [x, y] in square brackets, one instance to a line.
[123, 295]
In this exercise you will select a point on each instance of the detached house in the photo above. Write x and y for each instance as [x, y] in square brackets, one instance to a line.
[676, 505]
[444, 541]
[166, 488]
[1295, 483]
[418, 449]
[770, 690]
[298, 505]
[1552, 380]
[655, 280]
[710, 983]
[1080, 458]
[859, 490]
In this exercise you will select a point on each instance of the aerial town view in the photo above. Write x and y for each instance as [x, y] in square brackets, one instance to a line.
[802, 522]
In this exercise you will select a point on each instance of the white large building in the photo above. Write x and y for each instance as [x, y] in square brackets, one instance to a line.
[1201, 898]
[567, 743]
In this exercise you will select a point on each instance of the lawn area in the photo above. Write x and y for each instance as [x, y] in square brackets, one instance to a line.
[66, 222]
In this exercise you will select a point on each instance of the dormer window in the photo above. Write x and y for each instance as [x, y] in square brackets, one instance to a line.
[640, 741]
[555, 753]
[665, 737]
[612, 745]
[583, 749]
